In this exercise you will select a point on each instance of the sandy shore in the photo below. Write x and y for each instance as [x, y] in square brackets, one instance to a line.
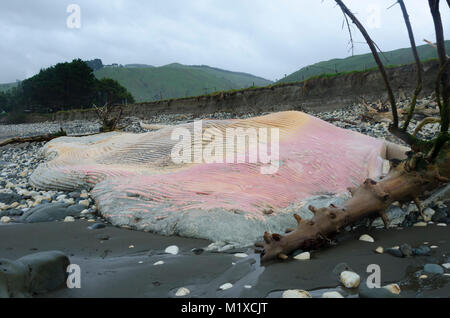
[110, 268]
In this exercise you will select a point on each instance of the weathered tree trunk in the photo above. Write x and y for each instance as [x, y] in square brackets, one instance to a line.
[41, 138]
[406, 182]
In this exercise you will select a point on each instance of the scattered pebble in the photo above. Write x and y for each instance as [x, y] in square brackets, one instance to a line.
[367, 238]
[433, 269]
[333, 294]
[395, 252]
[84, 203]
[226, 286]
[442, 224]
[131, 246]
[303, 256]
[69, 219]
[379, 250]
[5, 219]
[420, 224]
[446, 265]
[248, 286]
[350, 279]
[393, 288]
[296, 293]
[97, 226]
[422, 251]
[183, 291]
[406, 250]
[423, 277]
[172, 250]
[158, 263]
[241, 255]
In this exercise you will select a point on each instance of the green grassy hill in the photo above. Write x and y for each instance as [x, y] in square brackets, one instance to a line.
[5, 87]
[362, 62]
[176, 80]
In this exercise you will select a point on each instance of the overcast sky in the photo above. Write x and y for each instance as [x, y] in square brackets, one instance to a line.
[268, 38]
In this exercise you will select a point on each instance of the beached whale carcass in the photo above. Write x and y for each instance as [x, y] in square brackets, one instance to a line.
[136, 181]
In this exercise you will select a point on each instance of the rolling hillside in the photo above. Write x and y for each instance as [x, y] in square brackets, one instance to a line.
[362, 62]
[176, 80]
[5, 87]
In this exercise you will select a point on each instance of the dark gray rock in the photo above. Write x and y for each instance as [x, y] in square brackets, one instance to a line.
[440, 215]
[406, 250]
[48, 270]
[395, 252]
[422, 251]
[14, 279]
[197, 251]
[8, 198]
[433, 269]
[76, 209]
[11, 212]
[48, 213]
[74, 195]
[97, 226]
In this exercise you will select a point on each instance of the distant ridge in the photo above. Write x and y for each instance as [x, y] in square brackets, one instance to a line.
[362, 62]
[177, 80]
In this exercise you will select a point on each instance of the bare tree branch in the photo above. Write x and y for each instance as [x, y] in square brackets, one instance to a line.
[442, 85]
[412, 106]
[373, 48]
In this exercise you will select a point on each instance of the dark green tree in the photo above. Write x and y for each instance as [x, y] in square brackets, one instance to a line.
[111, 92]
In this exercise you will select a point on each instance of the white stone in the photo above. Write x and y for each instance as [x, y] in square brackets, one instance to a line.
[412, 208]
[442, 224]
[131, 246]
[69, 201]
[333, 294]
[14, 205]
[434, 247]
[367, 238]
[183, 291]
[423, 277]
[303, 256]
[69, 219]
[350, 279]
[428, 214]
[61, 197]
[446, 265]
[241, 255]
[5, 219]
[248, 287]
[172, 250]
[84, 203]
[393, 288]
[84, 195]
[296, 293]
[226, 286]
[380, 250]
[158, 263]
[420, 224]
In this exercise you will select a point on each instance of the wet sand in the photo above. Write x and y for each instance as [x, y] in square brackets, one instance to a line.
[109, 268]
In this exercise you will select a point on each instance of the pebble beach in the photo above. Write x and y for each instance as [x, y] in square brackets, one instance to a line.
[415, 251]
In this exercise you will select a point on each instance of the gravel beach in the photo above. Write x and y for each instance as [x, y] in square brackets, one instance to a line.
[118, 262]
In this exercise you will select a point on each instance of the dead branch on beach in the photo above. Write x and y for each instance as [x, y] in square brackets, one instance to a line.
[41, 138]
[427, 166]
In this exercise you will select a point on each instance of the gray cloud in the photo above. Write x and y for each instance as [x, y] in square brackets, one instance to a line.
[268, 38]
